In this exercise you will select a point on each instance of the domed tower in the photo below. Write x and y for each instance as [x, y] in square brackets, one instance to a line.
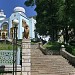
[19, 14]
[2, 16]
[20, 10]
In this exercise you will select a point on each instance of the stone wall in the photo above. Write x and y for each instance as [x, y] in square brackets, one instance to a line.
[26, 57]
[48, 52]
[67, 55]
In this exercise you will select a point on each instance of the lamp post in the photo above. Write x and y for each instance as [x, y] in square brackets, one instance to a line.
[15, 23]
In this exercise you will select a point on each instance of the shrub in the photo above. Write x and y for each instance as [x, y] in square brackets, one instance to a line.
[70, 49]
[53, 46]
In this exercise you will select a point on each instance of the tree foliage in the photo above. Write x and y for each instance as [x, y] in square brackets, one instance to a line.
[46, 15]
[53, 15]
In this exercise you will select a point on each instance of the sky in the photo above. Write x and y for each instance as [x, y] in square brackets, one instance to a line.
[8, 5]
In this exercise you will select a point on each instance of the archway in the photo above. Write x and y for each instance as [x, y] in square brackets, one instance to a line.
[4, 30]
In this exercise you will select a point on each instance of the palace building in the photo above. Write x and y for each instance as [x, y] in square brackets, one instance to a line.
[6, 24]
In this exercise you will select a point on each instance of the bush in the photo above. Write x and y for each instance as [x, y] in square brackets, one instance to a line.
[52, 46]
[73, 52]
[70, 49]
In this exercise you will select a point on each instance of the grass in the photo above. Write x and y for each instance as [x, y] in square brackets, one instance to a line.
[56, 47]
[53, 46]
[4, 46]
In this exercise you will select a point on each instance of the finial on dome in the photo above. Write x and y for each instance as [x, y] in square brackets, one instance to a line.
[19, 9]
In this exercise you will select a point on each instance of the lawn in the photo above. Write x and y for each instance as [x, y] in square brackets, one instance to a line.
[4, 46]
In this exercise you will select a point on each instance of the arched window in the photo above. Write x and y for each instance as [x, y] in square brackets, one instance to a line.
[4, 26]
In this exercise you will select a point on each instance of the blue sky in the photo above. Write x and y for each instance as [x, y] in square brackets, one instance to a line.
[9, 5]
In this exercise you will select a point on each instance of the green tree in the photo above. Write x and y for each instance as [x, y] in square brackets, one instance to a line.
[66, 17]
[72, 21]
[46, 16]
[53, 15]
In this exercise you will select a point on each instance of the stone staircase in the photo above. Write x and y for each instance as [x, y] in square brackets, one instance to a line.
[49, 64]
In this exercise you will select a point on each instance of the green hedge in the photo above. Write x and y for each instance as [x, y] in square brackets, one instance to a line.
[70, 49]
[53, 46]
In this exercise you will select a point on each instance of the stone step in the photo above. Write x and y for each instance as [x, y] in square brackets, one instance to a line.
[34, 73]
[49, 64]
[47, 58]
[48, 74]
[54, 68]
[51, 71]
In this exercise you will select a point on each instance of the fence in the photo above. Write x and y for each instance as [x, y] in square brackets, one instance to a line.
[6, 57]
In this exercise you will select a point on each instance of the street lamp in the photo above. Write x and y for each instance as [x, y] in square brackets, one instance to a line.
[15, 23]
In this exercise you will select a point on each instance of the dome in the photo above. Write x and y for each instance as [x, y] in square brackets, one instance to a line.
[2, 15]
[19, 9]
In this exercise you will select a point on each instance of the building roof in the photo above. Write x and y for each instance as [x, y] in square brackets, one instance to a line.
[19, 9]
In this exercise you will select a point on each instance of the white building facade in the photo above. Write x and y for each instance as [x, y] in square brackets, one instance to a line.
[19, 14]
